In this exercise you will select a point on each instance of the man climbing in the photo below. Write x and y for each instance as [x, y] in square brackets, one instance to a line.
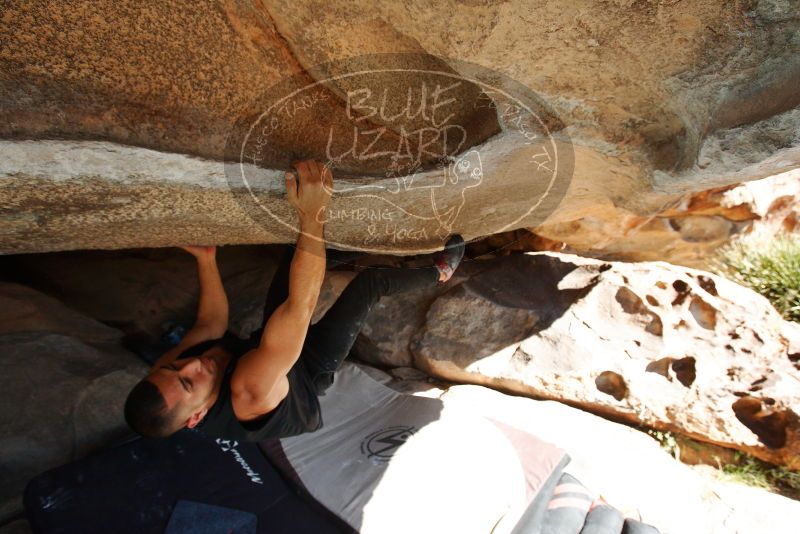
[267, 386]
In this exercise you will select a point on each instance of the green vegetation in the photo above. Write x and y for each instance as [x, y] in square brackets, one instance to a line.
[744, 469]
[666, 439]
[753, 472]
[770, 267]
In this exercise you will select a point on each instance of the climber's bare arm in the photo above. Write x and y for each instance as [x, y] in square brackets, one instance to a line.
[212, 310]
[259, 382]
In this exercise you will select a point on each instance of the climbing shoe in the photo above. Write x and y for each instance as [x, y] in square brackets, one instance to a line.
[448, 259]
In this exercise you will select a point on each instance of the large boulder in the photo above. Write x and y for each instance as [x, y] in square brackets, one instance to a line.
[145, 292]
[64, 378]
[686, 232]
[650, 343]
[20, 526]
[142, 292]
[163, 92]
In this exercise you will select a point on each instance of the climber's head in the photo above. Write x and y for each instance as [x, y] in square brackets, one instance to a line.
[172, 396]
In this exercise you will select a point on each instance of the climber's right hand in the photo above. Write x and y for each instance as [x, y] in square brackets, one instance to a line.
[309, 189]
[201, 252]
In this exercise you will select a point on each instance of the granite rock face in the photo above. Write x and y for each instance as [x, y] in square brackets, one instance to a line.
[686, 232]
[116, 118]
[64, 379]
[668, 347]
[145, 293]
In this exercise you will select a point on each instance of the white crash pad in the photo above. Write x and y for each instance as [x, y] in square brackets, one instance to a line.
[387, 463]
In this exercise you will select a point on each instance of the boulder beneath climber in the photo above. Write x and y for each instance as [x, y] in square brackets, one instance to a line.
[64, 378]
[650, 343]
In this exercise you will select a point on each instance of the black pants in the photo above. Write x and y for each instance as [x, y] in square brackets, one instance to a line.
[330, 339]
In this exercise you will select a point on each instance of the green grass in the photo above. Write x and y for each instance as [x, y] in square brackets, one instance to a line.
[753, 472]
[769, 266]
